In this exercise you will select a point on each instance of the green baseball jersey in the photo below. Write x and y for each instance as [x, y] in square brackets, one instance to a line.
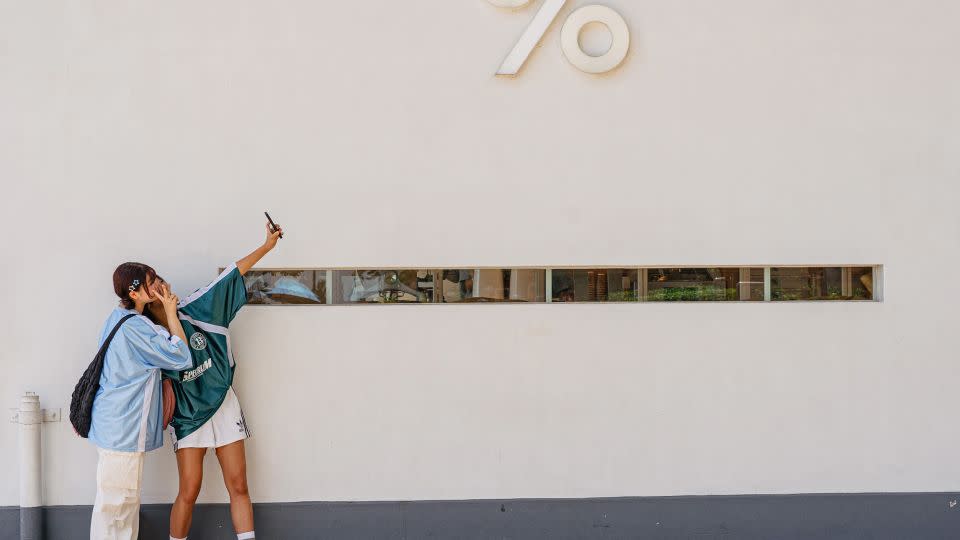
[205, 316]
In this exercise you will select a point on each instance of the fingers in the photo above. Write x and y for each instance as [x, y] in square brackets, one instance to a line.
[276, 230]
[166, 296]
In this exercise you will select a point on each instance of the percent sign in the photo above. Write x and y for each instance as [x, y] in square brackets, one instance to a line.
[569, 36]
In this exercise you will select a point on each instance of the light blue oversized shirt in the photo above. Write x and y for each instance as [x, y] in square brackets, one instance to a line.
[128, 409]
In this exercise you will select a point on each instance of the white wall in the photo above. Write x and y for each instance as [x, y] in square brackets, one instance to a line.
[737, 132]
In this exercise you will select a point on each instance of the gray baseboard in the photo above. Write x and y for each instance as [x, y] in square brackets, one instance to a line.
[877, 516]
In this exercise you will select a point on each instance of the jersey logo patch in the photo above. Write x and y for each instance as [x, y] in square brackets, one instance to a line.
[198, 342]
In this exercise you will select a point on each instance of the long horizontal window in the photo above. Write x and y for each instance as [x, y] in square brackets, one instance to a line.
[561, 285]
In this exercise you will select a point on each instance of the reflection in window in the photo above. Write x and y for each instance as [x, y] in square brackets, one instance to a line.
[465, 285]
[493, 285]
[831, 283]
[285, 287]
[456, 285]
[383, 286]
[596, 285]
[704, 284]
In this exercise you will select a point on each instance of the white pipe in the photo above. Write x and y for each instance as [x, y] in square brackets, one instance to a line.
[31, 499]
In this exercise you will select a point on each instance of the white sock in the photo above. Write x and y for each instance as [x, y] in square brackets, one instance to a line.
[184, 538]
[247, 535]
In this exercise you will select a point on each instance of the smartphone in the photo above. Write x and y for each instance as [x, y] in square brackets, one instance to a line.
[273, 226]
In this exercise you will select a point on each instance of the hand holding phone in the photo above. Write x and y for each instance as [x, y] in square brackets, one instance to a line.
[273, 226]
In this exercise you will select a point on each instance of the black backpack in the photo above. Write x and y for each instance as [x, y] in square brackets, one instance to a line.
[81, 403]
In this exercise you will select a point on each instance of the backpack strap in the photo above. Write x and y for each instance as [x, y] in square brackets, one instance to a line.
[106, 342]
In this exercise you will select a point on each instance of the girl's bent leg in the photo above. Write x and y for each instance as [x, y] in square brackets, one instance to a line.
[190, 466]
[233, 463]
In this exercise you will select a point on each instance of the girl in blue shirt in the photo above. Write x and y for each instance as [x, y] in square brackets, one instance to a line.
[126, 419]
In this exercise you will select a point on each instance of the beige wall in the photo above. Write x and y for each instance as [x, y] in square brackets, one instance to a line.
[737, 132]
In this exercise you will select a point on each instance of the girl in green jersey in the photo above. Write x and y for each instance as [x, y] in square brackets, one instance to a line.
[200, 404]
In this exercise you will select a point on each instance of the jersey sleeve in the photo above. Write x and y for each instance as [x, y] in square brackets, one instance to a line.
[218, 302]
[155, 346]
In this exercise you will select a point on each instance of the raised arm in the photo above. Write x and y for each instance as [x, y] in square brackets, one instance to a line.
[157, 348]
[246, 263]
[169, 301]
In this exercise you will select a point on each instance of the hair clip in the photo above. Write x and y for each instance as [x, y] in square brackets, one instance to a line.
[134, 286]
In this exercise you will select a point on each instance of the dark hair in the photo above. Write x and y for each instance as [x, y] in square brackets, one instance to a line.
[129, 277]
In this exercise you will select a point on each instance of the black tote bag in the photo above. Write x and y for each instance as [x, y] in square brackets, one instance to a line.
[81, 403]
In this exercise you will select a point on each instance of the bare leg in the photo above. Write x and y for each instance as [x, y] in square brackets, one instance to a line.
[190, 465]
[233, 463]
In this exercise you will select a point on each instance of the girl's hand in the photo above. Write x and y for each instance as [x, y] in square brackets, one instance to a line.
[245, 264]
[272, 237]
[167, 298]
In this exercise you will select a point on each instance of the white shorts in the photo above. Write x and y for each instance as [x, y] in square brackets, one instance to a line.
[226, 426]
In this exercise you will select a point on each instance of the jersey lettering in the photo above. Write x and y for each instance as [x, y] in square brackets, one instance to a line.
[197, 371]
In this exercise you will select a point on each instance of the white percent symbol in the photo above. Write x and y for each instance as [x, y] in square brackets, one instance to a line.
[569, 36]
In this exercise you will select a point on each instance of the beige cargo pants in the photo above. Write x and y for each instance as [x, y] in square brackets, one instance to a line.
[116, 512]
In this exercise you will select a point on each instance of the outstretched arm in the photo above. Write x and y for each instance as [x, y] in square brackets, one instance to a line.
[246, 263]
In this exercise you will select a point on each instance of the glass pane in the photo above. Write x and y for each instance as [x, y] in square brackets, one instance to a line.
[596, 285]
[285, 286]
[750, 284]
[424, 286]
[830, 283]
[383, 286]
[704, 284]
[493, 285]
[456, 285]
